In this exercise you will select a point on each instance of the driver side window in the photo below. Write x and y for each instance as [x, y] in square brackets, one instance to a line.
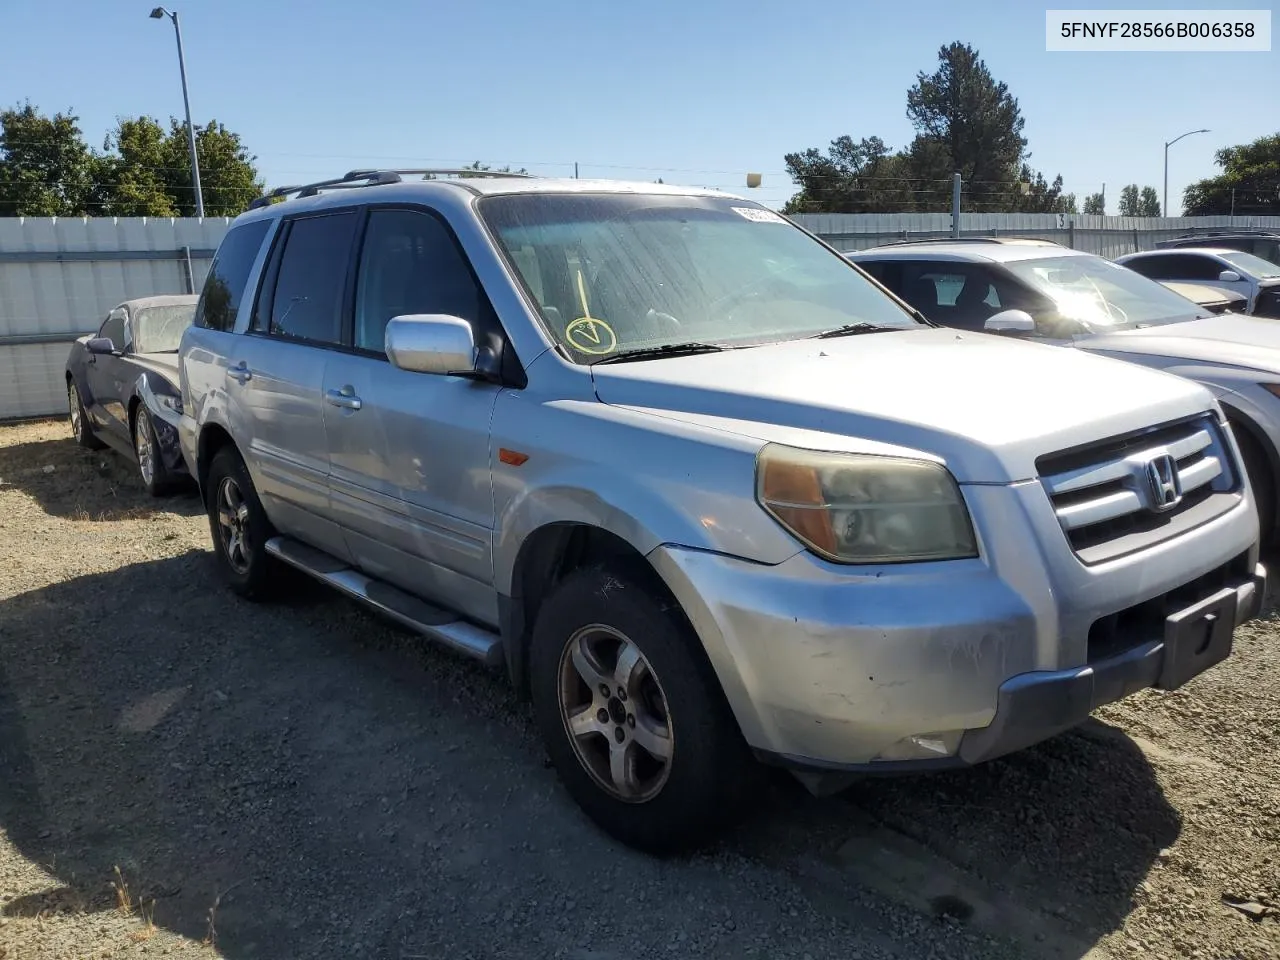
[411, 264]
[113, 329]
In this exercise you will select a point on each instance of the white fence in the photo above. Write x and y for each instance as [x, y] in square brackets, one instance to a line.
[1105, 236]
[58, 278]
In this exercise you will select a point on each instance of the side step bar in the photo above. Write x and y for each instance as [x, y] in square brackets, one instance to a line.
[431, 621]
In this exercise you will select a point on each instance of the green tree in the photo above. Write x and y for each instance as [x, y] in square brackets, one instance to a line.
[851, 177]
[135, 179]
[46, 168]
[1139, 203]
[1149, 203]
[965, 122]
[1250, 176]
[1096, 204]
[1129, 200]
[976, 119]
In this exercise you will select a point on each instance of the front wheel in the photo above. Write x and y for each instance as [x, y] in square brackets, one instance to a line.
[239, 526]
[154, 474]
[80, 428]
[631, 714]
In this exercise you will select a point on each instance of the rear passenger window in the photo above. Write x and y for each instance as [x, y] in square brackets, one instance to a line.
[224, 288]
[307, 302]
[410, 264]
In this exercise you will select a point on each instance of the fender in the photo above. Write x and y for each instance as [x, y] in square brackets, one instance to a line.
[164, 418]
[630, 474]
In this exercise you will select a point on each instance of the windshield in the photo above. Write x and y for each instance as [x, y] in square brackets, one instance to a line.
[1094, 295]
[1252, 264]
[617, 273]
[159, 329]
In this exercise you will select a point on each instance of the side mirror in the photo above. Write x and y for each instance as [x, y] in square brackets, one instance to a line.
[1229, 276]
[1010, 321]
[431, 343]
[100, 345]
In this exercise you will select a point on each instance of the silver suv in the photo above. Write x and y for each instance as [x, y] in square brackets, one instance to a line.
[707, 491]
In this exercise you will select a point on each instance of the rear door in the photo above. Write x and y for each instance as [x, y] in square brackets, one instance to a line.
[409, 452]
[275, 374]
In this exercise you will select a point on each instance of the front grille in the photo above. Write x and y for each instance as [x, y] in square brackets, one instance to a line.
[1144, 622]
[1104, 498]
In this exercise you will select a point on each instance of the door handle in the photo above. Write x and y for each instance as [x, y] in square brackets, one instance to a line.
[240, 372]
[345, 398]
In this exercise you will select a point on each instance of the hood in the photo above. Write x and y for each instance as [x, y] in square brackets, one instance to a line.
[988, 406]
[1230, 338]
[165, 364]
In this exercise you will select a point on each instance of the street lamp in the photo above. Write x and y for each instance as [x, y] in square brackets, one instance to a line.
[156, 14]
[1166, 165]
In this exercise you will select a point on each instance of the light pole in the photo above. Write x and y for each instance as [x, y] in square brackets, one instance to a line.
[156, 14]
[1166, 166]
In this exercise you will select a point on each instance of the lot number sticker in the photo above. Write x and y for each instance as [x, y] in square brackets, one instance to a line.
[757, 215]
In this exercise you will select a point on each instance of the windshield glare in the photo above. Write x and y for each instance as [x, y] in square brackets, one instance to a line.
[1094, 295]
[619, 272]
[159, 329]
[1252, 264]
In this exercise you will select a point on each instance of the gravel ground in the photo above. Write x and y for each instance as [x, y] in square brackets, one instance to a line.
[304, 780]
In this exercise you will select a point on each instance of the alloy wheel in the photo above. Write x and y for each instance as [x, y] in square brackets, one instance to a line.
[615, 713]
[73, 401]
[143, 446]
[233, 524]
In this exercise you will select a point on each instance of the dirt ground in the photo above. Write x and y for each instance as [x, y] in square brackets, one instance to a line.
[183, 773]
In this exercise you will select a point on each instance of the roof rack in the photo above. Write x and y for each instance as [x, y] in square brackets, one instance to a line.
[375, 177]
[1035, 240]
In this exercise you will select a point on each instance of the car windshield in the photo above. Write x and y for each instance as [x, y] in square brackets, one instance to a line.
[159, 329]
[1094, 295]
[1249, 263]
[615, 273]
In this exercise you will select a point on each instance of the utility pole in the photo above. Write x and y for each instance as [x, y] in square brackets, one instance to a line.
[575, 169]
[955, 206]
[157, 14]
[1165, 204]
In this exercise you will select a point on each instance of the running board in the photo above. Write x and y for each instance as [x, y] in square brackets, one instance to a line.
[431, 621]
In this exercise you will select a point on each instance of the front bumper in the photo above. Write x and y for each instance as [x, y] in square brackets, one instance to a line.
[846, 669]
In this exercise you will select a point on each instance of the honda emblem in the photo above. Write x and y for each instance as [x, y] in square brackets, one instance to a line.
[1164, 485]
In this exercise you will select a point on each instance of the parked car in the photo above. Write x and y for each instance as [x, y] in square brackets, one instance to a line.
[1058, 295]
[1260, 242]
[1213, 299]
[702, 487]
[122, 387]
[1245, 273]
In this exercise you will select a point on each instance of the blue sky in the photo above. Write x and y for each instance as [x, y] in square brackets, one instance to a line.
[698, 92]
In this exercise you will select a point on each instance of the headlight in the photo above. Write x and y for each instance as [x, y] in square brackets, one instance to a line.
[172, 402]
[864, 509]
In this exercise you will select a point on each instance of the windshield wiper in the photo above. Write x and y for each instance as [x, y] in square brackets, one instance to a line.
[664, 350]
[853, 329]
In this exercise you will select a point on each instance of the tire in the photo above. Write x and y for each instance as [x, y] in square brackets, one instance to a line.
[80, 428]
[1258, 468]
[155, 476]
[595, 617]
[239, 543]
